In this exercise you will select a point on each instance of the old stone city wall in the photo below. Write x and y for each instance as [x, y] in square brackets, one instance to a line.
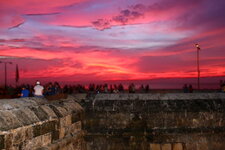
[34, 123]
[176, 121]
[193, 121]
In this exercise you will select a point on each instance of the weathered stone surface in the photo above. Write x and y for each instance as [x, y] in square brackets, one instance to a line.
[38, 141]
[166, 147]
[177, 146]
[22, 134]
[50, 113]
[33, 123]
[2, 141]
[8, 121]
[170, 119]
[59, 110]
[40, 113]
[74, 128]
[155, 147]
[26, 116]
[45, 127]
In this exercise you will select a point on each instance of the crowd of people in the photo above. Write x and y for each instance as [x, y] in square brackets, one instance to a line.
[187, 88]
[49, 89]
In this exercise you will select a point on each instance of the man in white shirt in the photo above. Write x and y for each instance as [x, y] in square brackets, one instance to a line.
[38, 89]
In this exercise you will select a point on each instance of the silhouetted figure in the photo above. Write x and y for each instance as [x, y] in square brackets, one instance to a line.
[142, 89]
[223, 87]
[57, 88]
[65, 89]
[121, 88]
[50, 89]
[111, 88]
[222, 84]
[147, 88]
[106, 88]
[115, 89]
[131, 88]
[185, 88]
[190, 89]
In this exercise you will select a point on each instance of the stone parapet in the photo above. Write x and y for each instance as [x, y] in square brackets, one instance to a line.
[153, 121]
[35, 123]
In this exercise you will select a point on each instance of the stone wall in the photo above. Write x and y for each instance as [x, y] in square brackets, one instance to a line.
[184, 121]
[35, 123]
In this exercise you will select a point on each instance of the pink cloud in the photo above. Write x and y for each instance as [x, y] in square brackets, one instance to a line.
[112, 40]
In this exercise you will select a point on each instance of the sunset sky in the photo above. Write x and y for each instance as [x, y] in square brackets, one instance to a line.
[92, 40]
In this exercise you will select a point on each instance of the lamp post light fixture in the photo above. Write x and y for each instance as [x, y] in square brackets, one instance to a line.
[198, 68]
[6, 62]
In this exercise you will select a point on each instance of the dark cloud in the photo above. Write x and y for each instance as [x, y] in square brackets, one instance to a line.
[43, 14]
[12, 40]
[127, 15]
[123, 18]
[16, 26]
[101, 24]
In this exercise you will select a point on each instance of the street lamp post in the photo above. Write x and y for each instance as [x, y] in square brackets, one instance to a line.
[198, 68]
[6, 71]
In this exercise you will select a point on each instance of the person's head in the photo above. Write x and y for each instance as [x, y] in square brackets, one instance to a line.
[38, 83]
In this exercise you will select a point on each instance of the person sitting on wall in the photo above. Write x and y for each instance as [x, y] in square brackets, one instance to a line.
[223, 87]
[190, 89]
[38, 89]
[50, 89]
[25, 92]
[185, 88]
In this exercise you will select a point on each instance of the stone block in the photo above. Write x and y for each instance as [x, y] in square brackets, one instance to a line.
[178, 146]
[40, 113]
[44, 128]
[62, 132]
[59, 111]
[166, 147]
[8, 141]
[8, 121]
[73, 106]
[76, 117]
[155, 147]
[22, 134]
[65, 121]
[26, 116]
[74, 128]
[38, 141]
[2, 141]
[50, 113]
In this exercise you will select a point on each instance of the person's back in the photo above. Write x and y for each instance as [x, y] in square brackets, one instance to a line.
[25, 92]
[38, 89]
